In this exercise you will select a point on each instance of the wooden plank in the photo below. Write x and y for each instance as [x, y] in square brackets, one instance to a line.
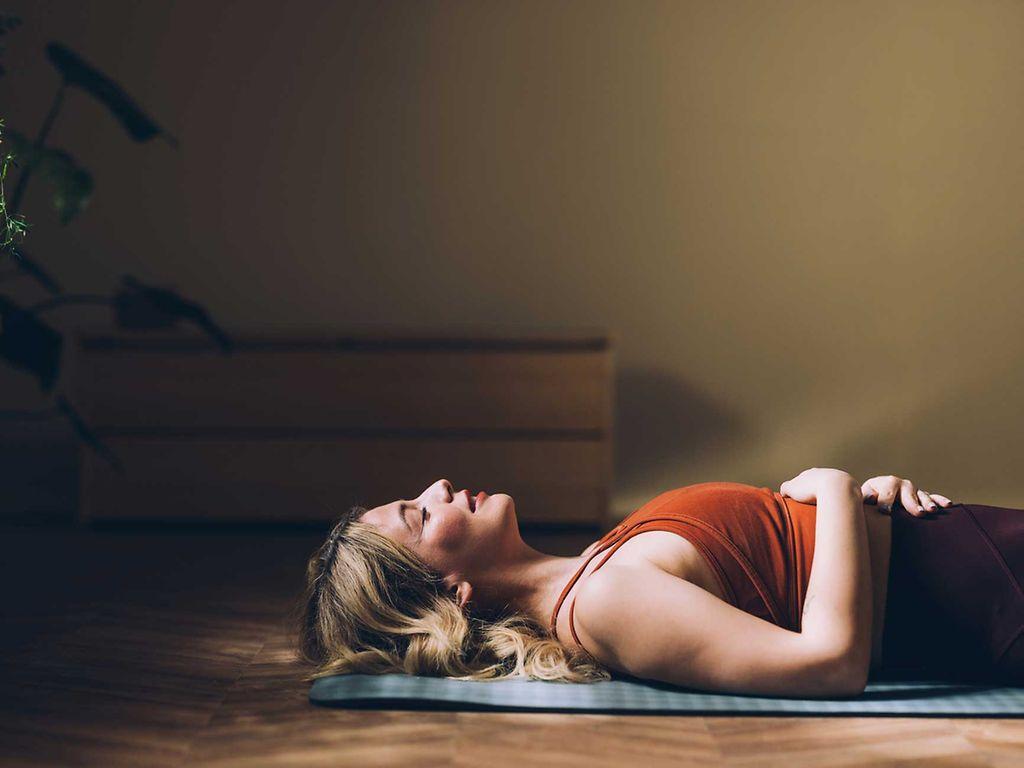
[155, 649]
[363, 390]
[551, 481]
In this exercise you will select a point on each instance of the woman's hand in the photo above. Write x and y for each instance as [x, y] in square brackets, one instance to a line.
[888, 490]
[806, 486]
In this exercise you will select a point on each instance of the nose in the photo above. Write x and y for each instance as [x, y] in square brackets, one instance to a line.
[444, 486]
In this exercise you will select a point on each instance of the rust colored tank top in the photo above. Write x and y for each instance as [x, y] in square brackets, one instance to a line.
[759, 544]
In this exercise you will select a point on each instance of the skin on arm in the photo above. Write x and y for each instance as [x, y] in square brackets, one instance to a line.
[837, 610]
[651, 624]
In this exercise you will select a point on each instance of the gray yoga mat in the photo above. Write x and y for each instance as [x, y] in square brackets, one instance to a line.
[626, 696]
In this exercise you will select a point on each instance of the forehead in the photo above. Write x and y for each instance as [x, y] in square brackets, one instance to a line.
[387, 517]
[381, 511]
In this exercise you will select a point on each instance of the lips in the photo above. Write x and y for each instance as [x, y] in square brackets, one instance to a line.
[474, 502]
[478, 500]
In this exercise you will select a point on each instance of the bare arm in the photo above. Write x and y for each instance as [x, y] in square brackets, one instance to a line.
[838, 607]
[652, 624]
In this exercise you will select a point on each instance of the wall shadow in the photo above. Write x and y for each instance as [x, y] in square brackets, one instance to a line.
[661, 420]
[949, 446]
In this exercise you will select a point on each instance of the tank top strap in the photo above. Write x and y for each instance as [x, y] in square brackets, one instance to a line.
[614, 539]
[565, 591]
[572, 628]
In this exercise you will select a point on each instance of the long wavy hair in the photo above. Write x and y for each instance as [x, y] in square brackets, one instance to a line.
[372, 606]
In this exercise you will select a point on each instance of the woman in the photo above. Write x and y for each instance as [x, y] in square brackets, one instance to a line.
[717, 586]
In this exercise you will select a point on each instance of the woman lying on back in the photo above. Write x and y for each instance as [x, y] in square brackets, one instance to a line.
[717, 586]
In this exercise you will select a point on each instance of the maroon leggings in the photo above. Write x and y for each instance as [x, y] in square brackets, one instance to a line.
[955, 608]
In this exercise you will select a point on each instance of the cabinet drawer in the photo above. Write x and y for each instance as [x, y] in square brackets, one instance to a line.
[298, 429]
[308, 480]
[363, 389]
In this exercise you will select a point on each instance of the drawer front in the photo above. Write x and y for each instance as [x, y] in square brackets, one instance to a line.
[187, 478]
[403, 390]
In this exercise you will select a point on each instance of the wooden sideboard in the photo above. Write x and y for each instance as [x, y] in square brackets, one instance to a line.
[299, 428]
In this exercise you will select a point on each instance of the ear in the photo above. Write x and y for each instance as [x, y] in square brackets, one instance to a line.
[460, 590]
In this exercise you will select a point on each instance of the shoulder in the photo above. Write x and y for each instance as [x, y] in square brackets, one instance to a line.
[604, 603]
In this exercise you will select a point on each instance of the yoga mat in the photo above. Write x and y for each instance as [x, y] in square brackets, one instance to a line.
[906, 698]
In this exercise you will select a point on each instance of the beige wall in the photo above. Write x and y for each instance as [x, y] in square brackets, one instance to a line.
[802, 219]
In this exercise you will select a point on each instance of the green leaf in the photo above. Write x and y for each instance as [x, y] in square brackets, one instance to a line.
[140, 305]
[28, 343]
[7, 23]
[71, 184]
[77, 72]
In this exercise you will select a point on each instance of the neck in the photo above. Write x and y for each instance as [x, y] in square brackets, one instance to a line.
[528, 582]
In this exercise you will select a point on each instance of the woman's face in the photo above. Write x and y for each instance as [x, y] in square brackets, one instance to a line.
[459, 533]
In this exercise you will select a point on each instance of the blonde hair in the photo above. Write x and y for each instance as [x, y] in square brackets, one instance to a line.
[372, 606]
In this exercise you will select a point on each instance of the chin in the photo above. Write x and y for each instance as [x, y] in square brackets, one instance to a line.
[501, 503]
[501, 523]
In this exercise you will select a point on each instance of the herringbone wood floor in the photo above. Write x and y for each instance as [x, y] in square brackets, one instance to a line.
[146, 648]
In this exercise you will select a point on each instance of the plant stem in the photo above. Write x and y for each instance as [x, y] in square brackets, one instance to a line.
[44, 132]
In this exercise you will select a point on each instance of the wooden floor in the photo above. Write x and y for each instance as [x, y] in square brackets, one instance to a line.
[148, 648]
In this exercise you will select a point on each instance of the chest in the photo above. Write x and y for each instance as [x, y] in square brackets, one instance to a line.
[673, 554]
